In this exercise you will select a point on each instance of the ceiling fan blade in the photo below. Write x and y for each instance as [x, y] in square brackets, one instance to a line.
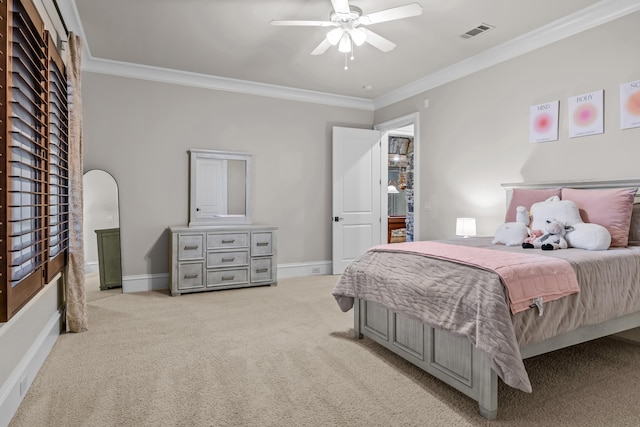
[378, 41]
[321, 48]
[406, 11]
[340, 6]
[304, 23]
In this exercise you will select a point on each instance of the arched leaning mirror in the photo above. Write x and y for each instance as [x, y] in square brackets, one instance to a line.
[103, 267]
[220, 191]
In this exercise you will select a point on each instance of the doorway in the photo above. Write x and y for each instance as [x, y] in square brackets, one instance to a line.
[400, 185]
[400, 164]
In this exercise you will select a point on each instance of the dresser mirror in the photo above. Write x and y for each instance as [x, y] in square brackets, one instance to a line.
[101, 231]
[220, 187]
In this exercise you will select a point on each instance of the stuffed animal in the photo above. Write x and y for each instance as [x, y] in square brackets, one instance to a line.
[513, 233]
[584, 235]
[522, 216]
[553, 238]
[533, 235]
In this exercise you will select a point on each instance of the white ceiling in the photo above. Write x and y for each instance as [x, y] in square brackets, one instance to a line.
[234, 39]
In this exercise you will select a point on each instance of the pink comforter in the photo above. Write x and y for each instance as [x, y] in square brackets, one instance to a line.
[526, 276]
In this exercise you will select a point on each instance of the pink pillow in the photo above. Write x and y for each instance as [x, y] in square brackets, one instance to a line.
[634, 229]
[610, 208]
[527, 197]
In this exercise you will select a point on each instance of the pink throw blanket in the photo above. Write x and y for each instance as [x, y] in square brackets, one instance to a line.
[526, 276]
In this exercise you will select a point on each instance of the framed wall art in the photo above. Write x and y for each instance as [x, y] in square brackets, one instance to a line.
[586, 114]
[630, 105]
[543, 122]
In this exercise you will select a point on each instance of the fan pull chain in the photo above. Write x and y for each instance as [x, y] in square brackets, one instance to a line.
[346, 66]
[352, 54]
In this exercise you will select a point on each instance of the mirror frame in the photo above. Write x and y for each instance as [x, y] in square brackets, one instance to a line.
[101, 272]
[194, 154]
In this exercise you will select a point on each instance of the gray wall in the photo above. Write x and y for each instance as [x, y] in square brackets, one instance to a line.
[474, 135]
[140, 132]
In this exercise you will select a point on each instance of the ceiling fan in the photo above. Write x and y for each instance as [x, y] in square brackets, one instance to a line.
[349, 22]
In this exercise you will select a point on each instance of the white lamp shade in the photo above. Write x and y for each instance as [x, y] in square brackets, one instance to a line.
[466, 227]
[345, 44]
[392, 189]
[358, 36]
[334, 36]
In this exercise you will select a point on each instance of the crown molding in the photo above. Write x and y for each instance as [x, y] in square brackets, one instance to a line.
[587, 18]
[69, 10]
[186, 78]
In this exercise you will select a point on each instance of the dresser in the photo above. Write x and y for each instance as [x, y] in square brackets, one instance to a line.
[206, 258]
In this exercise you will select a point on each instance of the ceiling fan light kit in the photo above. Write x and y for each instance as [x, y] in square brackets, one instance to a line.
[358, 36]
[347, 32]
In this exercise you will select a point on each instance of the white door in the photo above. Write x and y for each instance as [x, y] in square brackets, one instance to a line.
[356, 194]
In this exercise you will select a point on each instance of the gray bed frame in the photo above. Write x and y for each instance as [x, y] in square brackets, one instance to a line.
[454, 359]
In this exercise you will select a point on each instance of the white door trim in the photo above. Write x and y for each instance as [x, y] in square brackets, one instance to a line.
[385, 127]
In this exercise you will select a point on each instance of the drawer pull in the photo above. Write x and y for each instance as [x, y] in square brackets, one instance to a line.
[228, 277]
[228, 259]
[262, 244]
[228, 241]
[261, 270]
[191, 248]
[190, 276]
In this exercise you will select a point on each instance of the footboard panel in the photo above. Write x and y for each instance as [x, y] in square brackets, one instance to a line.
[447, 357]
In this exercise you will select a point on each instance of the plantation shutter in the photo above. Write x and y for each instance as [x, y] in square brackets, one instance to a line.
[58, 214]
[33, 153]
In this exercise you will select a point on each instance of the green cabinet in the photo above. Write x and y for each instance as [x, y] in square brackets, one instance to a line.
[109, 258]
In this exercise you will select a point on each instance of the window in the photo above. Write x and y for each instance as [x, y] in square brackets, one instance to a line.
[34, 151]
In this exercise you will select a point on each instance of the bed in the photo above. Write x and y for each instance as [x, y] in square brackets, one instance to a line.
[454, 319]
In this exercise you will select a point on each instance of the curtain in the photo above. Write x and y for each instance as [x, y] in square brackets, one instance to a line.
[76, 313]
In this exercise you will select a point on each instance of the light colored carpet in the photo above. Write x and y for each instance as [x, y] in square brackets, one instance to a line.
[286, 356]
[92, 288]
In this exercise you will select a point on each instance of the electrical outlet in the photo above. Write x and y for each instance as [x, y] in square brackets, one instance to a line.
[315, 270]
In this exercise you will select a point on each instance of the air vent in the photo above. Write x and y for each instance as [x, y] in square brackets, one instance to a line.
[482, 28]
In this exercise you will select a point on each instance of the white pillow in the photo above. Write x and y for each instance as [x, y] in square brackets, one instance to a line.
[564, 211]
[583, 236]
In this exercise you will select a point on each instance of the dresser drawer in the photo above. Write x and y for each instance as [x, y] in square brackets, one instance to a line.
[262, 270]
[227, 240]
[191, 275]
[261, 243]
[227, 259]
[190, 247]
[227, 277]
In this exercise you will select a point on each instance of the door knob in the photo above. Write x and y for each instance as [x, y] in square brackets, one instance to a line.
[337, 219]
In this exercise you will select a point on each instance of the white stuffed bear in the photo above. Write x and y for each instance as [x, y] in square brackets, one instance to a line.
[513, 233]
[583, 235]
[553, 237]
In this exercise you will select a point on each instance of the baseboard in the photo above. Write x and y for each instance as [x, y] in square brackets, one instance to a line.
[158, 282]
[145, 282]
[15, 388]
[91, 267]
[302, 269]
